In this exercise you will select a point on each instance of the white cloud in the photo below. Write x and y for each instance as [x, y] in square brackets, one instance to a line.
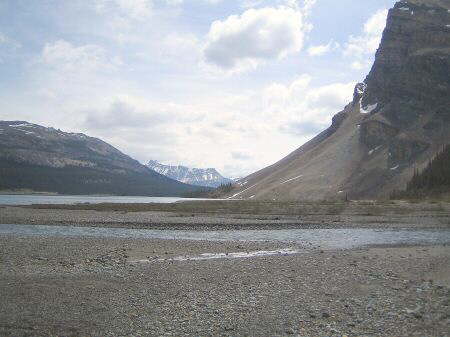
[367, 43]
[173, 2]
[126, 111]
[331, 96]
[258, 35]
[239, 155]
[6, 41]
[239, 125]
[361, 64]
[306, 109]
[376, 23]
[323, 49]
[125, 21]
[179, 2]
[213, 2]
[70, 78]
[251, 3]
[67, 57]
[134, 9]
[304, 5]
[8, 48]
[137, 9]
[176, 47]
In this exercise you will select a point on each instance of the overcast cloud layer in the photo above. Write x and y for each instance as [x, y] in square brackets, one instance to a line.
[231, 84]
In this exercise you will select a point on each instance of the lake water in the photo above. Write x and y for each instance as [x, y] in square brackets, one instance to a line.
[16, 199]
[325, 238]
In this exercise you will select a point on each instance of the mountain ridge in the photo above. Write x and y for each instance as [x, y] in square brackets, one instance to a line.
[208, 177]
[46, 159]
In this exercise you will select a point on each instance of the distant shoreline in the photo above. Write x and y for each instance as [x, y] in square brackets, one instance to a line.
[26, 192]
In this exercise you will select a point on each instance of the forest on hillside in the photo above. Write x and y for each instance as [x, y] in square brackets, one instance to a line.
[81, 180]
[433, 181]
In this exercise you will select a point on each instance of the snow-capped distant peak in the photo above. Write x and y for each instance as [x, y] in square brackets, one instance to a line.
[19, 124]
[193, 176]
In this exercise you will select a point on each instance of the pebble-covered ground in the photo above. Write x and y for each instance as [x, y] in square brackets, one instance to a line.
[61, 286]
[91, 287]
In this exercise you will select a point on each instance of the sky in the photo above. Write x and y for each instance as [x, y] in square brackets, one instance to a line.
[230, 84]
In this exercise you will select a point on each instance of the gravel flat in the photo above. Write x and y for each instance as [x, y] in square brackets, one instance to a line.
[194, 216]
[87, 286]
[81, 287]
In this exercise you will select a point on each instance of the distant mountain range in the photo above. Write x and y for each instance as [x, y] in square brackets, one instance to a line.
[398, 120]
[38, 158]
[193, 176]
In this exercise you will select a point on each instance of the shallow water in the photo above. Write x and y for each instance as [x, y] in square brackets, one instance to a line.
[19, 199]
[236, 255]
[323, 238]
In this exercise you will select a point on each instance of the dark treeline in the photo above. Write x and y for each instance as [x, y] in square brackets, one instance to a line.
[82, 180]
[211, 193]
[221, 190]
[225, 188]
[434, 180]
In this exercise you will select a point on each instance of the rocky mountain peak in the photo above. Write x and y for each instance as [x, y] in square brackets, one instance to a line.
[405, 96]
[412, 64]
[195, 176]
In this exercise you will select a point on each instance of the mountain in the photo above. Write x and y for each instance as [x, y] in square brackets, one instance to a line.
[45, 159]
[194, 176]
[399, 118]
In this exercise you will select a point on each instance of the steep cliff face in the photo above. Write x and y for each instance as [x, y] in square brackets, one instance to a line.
[408, 87]
[407, 93]
[398, 119]
[412, 64]
[38, 158]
